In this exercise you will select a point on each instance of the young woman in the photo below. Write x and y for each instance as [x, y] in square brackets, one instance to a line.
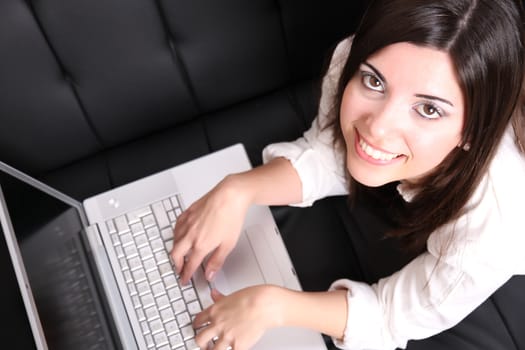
[425, 97]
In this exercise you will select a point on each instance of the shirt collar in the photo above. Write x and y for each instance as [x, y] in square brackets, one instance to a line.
[406, 192]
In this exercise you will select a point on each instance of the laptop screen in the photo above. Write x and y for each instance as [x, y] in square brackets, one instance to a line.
[18, 330]
[49, 235]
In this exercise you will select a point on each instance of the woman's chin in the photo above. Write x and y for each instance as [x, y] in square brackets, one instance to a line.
[370, 179]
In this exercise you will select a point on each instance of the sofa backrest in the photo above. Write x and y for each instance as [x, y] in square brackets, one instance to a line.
[82, 78]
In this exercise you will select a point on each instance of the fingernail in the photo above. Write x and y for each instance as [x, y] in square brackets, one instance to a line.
[210, 275]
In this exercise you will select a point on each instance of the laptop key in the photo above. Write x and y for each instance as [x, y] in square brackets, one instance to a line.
[161, 257]
[150, 265]
[137, 228]
[138, 275]
[145, 327]
[156, 326]
[175, 202]
[121, 224]
[171, 216]
[160, 338]
[192, 345]
[187, 332]
[176, 340]
[171, 327]
[127, 276]
[119, 251]
[148, 220]
[134, 263]
[179, 306]
[154, 276]
[141, 240]
[169, 245]
[143, 288]
[189, 295]
[194, 307]
[140, 314]
[167, 314]
[174, 293]
[126, 239]
[167, 233]
[160, 215]
[147, 300]
[166, 269]
[170, 281]
[183, 319]
[145, 252]
[129, 250]
[163, 301]
[115, 238]
[111, 226]
[167, 204]
[149, 340]
[158, 289]
[123, 263]
[135, 215]
[157, 245]
[151, 313]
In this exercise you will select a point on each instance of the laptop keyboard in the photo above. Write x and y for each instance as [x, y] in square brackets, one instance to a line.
[165, 309]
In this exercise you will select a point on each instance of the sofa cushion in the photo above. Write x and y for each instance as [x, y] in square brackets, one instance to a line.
[90, 81]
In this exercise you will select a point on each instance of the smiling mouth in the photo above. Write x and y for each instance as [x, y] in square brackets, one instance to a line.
[375, 153]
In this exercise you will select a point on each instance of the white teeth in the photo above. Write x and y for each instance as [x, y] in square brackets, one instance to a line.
[375, 153]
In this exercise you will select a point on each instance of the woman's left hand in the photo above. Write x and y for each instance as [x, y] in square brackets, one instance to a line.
[236, 321]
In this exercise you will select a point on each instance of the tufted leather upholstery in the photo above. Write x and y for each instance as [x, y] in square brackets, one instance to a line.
[98, 93]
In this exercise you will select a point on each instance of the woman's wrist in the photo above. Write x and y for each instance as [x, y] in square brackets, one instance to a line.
[272, 300]
[325, 312]
[237, 190]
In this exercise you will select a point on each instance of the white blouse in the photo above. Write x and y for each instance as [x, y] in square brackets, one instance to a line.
[465, 262]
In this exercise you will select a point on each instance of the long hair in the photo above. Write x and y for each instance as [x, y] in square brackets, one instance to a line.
[484, 38]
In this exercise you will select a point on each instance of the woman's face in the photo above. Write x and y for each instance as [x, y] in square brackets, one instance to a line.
[401, 114]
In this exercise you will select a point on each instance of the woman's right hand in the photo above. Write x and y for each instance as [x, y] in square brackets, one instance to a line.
[212, 224]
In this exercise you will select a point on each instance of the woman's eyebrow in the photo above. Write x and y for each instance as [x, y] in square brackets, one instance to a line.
[430, 97]
[376, 71]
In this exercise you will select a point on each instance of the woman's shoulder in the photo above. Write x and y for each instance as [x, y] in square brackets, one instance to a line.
[502, 189]
[491, 229]
[506, 172]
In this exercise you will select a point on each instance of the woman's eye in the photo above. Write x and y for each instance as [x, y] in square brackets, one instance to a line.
[429, 111]
[372, 82]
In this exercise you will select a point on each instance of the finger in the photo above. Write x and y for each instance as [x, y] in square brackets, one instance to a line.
[181, 227]
[222, 343]
[216, 295]
[192, 263]
[201, 320]
[178, 252]
[216, 261]
[205, 336]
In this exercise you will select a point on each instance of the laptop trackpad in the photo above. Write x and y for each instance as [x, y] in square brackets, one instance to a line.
[240, 269]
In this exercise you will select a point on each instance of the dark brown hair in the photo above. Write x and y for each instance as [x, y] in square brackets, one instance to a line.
[484, 40]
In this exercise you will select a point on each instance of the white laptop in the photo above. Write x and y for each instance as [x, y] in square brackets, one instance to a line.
[97, 274]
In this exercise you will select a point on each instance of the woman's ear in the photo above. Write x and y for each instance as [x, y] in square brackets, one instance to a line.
[465, 146]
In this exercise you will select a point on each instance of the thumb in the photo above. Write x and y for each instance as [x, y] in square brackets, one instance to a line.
[216, 261]
[216, 295]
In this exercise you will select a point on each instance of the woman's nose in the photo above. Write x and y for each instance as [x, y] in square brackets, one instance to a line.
[385, 120]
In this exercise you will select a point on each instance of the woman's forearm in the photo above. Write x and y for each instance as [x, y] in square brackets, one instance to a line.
[325, 312]
[274, 183]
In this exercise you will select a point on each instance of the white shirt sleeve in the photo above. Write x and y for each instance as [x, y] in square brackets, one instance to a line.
[319, 166]
[466, 261]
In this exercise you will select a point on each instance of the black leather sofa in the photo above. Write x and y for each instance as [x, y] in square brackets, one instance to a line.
[95, 94]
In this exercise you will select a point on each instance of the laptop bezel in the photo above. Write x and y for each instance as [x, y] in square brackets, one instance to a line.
[21, 275]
